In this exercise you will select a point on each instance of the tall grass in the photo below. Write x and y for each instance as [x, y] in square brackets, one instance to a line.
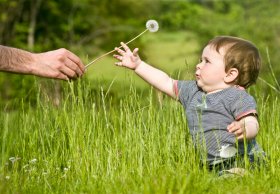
[91, 144]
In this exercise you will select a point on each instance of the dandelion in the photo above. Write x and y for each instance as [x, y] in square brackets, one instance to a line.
[151, 25]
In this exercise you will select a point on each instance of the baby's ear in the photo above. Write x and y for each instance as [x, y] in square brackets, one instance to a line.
[231, 75]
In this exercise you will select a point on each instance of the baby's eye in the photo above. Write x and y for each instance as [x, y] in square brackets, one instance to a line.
[203, 59]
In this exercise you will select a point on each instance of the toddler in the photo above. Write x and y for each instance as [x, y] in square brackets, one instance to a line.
[221, 115]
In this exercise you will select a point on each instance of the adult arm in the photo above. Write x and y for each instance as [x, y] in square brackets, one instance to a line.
[59, 64]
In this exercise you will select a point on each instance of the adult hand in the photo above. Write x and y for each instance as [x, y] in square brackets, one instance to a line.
[59, 64]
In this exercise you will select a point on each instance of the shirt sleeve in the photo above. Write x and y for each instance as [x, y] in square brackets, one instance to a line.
[243, 105]
[184, 89]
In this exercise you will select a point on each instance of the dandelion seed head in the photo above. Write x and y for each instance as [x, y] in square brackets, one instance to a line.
[152, 25]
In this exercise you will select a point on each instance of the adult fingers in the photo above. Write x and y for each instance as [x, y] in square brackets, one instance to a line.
[76, 60]
[62, 76]
[73, 66]
[69, 69]
[69, 64]
[78, 65]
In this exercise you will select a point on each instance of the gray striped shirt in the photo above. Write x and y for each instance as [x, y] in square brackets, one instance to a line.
[208, 116]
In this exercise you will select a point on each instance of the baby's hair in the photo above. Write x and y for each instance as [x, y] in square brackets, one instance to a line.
[240, 54]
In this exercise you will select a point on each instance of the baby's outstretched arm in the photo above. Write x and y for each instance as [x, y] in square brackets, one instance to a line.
[246, 127]
[153, 76]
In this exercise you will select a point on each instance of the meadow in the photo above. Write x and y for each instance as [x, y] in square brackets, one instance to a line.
[121, 137]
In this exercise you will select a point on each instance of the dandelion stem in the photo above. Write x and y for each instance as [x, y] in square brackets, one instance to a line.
[114, 49]
[137, 36]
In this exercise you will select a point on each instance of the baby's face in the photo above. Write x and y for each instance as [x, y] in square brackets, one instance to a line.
[210, 72]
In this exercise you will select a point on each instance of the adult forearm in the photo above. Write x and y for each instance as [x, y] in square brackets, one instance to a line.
[15, 60]
[156, 78]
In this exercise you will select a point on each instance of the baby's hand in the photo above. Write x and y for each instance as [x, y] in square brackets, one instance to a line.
[238, 128]
[127, 58]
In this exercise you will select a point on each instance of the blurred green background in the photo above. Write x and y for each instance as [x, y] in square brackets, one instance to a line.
[91, 28]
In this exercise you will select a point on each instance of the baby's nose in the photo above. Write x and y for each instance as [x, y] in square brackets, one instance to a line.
[198, 66]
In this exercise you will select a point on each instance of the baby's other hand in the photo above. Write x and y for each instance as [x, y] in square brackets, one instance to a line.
[238, 128]
[127, 58]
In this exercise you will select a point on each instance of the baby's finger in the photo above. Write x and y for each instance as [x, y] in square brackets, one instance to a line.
[120, 51]
[235, 129]
[125, 47]
[135, 52]
[238, 132]
[119, 64]
[231, 127]
[240, 136]
[118, 57]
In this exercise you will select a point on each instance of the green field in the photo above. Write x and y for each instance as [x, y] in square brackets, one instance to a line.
[118, 138]
[174, 53]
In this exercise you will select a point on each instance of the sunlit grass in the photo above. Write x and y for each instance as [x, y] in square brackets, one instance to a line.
[88, 144]
[110, 134]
